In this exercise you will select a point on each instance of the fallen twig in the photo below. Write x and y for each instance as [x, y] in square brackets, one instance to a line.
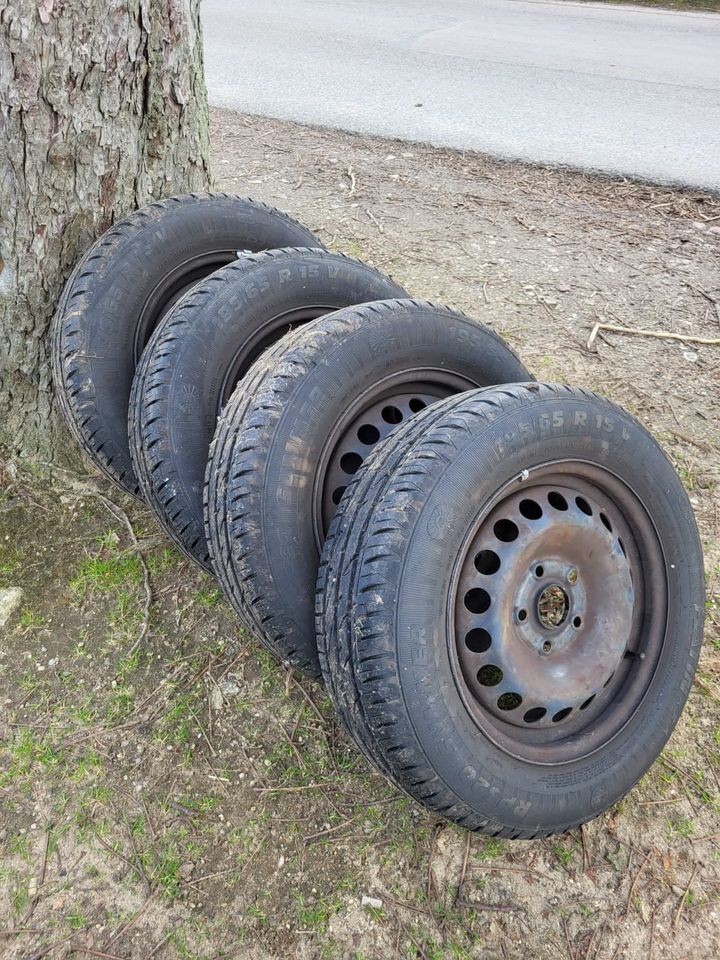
[351, 177]
[684, 895]
[648, 857]
[658, 334]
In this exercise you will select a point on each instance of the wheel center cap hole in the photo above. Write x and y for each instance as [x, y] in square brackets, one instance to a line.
[552, 606]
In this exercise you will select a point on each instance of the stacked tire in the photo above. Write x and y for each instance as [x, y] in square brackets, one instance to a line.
[500, 582]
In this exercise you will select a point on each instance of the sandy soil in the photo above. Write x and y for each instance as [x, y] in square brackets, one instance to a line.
[169, 791]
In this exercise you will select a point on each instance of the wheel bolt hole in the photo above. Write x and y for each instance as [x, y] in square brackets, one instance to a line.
[350, 462]
[391, 414]
[522, 615]
[573, 576]
[368, 434]
[539, 571]
[547, 647]
[577, 622]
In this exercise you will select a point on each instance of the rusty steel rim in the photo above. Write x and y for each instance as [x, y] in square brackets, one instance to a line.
[366, 421]
[558, 612]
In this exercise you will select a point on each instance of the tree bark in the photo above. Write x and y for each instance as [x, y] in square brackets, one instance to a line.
[103, 108]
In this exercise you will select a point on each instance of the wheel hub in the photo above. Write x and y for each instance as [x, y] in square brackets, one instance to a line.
[544, 608]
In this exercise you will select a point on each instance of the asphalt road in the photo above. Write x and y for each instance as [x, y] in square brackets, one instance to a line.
[614, 88]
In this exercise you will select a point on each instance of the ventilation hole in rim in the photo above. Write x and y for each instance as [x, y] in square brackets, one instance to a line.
[478, 640]
[534, 714]
[622, 547]
[391, 414]
[487, 562]
[583, 505]
[557, 500]
[490, 675]
[506, 531]
[522, 615]
[539, 570]
[609, 679]
[587, 703]
[561, 714]
[337, 494]
[530, 509]
[509, 701]
[350, 462]
[368, 434]
[577, 621]
[477, 600]
[416, 404]
[606, 522]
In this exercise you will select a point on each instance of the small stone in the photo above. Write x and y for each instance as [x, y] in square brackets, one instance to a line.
[216, 699]
[10, 600]
[372, 902]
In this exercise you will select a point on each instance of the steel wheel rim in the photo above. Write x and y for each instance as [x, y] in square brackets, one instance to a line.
[171, 288]
[558, 703]
[367, 421]
[261, 339]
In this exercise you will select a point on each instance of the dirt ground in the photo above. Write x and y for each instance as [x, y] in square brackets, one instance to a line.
[167, 790]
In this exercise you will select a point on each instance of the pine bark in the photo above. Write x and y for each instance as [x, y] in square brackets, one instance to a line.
[103, 108]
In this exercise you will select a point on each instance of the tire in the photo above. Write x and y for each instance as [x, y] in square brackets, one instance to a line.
[200, 350]
[120, 290]
[398, 589]
[279, 454]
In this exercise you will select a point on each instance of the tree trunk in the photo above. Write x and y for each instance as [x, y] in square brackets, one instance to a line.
[102, 109]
